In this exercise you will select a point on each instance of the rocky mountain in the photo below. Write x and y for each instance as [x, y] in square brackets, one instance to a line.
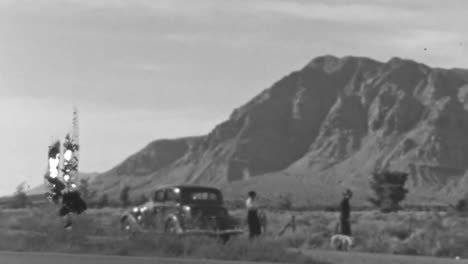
[323, 127]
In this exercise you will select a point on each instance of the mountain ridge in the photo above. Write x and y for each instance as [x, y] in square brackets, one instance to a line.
[329, 124]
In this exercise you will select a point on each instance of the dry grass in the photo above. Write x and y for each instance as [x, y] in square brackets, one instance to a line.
[411, 233]
[97, 232]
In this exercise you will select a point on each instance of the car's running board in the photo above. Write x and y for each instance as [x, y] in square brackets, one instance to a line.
[198, 232]
[215, 233]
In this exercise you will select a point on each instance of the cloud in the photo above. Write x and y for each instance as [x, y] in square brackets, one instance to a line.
[227, 40]
[179, 8]
[339, 12]
[432, 46]
[382, 14]
[417, 39]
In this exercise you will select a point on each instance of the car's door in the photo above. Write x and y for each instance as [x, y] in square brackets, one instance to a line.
[170, 207]
[158, 209]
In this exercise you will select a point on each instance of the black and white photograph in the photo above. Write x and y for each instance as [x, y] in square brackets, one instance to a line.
[233, 131]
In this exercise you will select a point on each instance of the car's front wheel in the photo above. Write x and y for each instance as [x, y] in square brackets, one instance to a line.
[170, 227]
[125, 224]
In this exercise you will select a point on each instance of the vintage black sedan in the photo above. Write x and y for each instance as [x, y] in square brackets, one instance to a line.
[183, 209]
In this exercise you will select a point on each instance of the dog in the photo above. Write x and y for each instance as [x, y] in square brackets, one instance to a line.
[341, 242]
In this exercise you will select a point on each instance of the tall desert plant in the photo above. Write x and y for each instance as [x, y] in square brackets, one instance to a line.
[124, 196]
[389, 191]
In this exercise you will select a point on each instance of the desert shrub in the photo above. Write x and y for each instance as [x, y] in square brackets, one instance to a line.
[373, 241]
[240, 249]
[439, 235]
[124, 196]
[85, 190]
[371, 236]
[103, 201]
[423, 243]
[284, 202]
[461, 205]
[319, 240]
[19, 199]
[296, 240]
[400, 231]
[389, 191]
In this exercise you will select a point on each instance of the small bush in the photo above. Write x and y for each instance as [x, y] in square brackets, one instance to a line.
[103, 201]
[241, 249]
[389, 191]
[84, 187]
[19, 199]
[400, 232]
[285, 202]
[374, 242]
[124, 196]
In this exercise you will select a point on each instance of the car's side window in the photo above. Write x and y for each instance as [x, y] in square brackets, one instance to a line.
[171, 196]
[159, 196]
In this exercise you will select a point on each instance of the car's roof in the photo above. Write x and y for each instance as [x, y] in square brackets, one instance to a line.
[187, 187]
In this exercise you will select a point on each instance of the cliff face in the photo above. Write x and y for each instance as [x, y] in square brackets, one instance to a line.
[330, 123]
[400, 115]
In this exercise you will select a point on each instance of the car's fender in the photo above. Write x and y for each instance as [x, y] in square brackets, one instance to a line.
[129, 218]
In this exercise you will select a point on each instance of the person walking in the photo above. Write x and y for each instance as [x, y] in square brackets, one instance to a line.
[252, 215]
[345, 212]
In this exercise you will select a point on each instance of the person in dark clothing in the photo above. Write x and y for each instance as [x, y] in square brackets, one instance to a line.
[71, 203]
[345, 212]
[56, 189]
[252, 215]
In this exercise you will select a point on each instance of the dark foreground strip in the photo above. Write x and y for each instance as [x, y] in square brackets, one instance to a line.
[351, 257]
[8, 257]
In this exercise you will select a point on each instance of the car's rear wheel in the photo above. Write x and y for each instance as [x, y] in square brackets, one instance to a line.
[170, 227]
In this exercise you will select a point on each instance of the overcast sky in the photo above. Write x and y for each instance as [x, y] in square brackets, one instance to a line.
[140, 70]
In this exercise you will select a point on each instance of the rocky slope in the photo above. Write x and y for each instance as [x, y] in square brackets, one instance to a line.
[325, 126]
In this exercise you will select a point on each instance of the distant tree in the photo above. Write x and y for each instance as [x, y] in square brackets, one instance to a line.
[103, 201]
[461, 205]
[285, 201]
[389, 191]
[84, 188]
[124, 197]
[141, 200]
[19, 199]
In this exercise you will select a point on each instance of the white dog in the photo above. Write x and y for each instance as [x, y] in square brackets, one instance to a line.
[341, 242]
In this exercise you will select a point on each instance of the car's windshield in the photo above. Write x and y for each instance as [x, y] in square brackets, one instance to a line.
[201, 196]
